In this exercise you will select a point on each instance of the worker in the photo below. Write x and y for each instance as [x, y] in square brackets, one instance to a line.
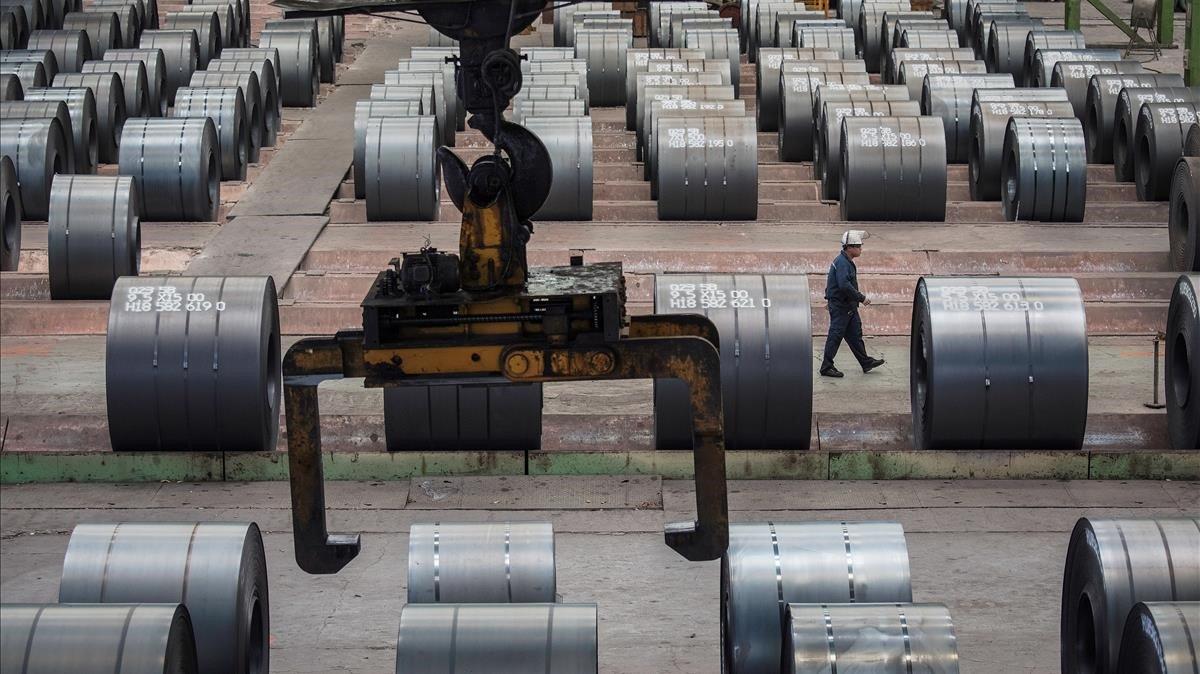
[843, 297]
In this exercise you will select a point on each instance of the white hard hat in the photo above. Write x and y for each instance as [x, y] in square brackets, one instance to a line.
[854, 237]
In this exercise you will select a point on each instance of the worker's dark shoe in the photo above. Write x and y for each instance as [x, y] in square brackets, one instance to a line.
[831, 371]
[872, 364]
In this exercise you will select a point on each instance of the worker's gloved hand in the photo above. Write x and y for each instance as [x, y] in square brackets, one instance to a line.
[866, 300]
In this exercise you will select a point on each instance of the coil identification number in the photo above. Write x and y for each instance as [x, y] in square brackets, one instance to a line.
[983, 298]
[886, 136]
[711, 296]
[692, 137]
[145, 299]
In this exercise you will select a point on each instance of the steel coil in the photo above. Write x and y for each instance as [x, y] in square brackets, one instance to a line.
[766, 346]
[14, 28]
[440, 39]
[569, 142]
[32, 75]
[988, 14]
[80, 161]
[880, 638]
[247, 83]
[146, 14]
[990, 111]
[134, 84]
[375, 108]
[94, 235]
[39, 150]
[524, 109]
[707, 168]
[10, 216]
[1183, 225]
[1005, 48]
[109, 97]
[912, 73]
[1112, 564]
[768, 69]
[1037, 40]
[177, 165]
[840, 41]
[87, 638]
[71, 47]
[465, 417]
[1161, 638]
[321, 31]
[299, 72]
[572, 70]
[1161, 131]
[226, 108]
[681, 107]
[228, 325]
[681, 24]
[1043, 171]
[1044, 61]
[81, 109]
[102, 29]
[571, 80]
[901, 55]
[218, 570]
[1183, 361]
[156, 76]
[10, 87]
[229, 15]
[718, 44]
[391, 92]
[564, 20]
[207, 29]
[269, 54]
[790, 22]
[950, 97]
[441, 109]
[223, 14]
[637, 61]
[511, 638]
[1191, 144]
[1076, 76]
[1129, 106]
[45, 57]
[851, 13]
[827, 144]
[663, 86]
[656, 15]
[602, 15]
[548, 53]
[129, 21]
[1018, 344]
[892, 28]
[770, 565]
[32, 13]
[1100, 115]
[671, 69]
[912, 183]
[796, 107]
[481, 563]
[402, 178]
[181, 53]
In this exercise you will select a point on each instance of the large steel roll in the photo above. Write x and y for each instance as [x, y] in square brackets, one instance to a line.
[229, 15]
[455, 109]
[45, 57]
[10, 87]
[39, 149]
[718, 44]
[638, 61]
[840, 41]
[14, 28]
[463, 417]
[681, 107]
[662, 86]
[569, 142]
[270, 54]
[998, 363]
[155, 64]
[524, 109]
[769, 565]
[227, 109]
[181, 53]
[150, 638]
[563, 19]
[208, 33]
[82, 157]
[1183, 221]
[870, 30]
[887, 638]
[893, 28]
[707, 168]
[109, 97]
[129, 21]
[218, 570]
[144, 13]
[102, 29]
[604, 51]
[950, 97]
[159, 328]
[670, 68]
[767, 75]
[93, 236]
[569, 80]
[446, 123]
[1158, 141]
[1005, 48]
[81, 108]
[223, 14]
[134, 84]
[31, 74]
[1183, 362]
[827, 144]
[322, 35]
[10, 216]
[766, 362]
[1037, 40]
[497, 638]
[402, 175]
[911, 73]
[912, 183]
[299, 72]
[481, 563]
[990, 111]
[798, 94]
[177, 165]
[1112, 564]
[851, 13]
[1043, 171]
[1076, 76]
[426, 95]
[1129, 107]
[988, 14]
[270, 107]
[247, 83]
[71, 47]
[374, 108]
[1161, 638]
[1044, 61]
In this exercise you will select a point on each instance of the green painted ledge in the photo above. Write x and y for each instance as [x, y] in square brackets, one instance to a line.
[23, 467]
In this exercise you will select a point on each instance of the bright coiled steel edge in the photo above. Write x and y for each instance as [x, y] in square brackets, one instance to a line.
[1183, 220]
[1161, 637]
[880, 638]
[10, 216]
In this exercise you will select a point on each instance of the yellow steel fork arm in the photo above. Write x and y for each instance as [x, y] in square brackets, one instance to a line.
[693, 359]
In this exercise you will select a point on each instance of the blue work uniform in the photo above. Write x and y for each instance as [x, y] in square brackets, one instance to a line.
[843, 296]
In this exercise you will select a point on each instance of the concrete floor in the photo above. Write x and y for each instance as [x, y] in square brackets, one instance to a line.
[991, 551]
